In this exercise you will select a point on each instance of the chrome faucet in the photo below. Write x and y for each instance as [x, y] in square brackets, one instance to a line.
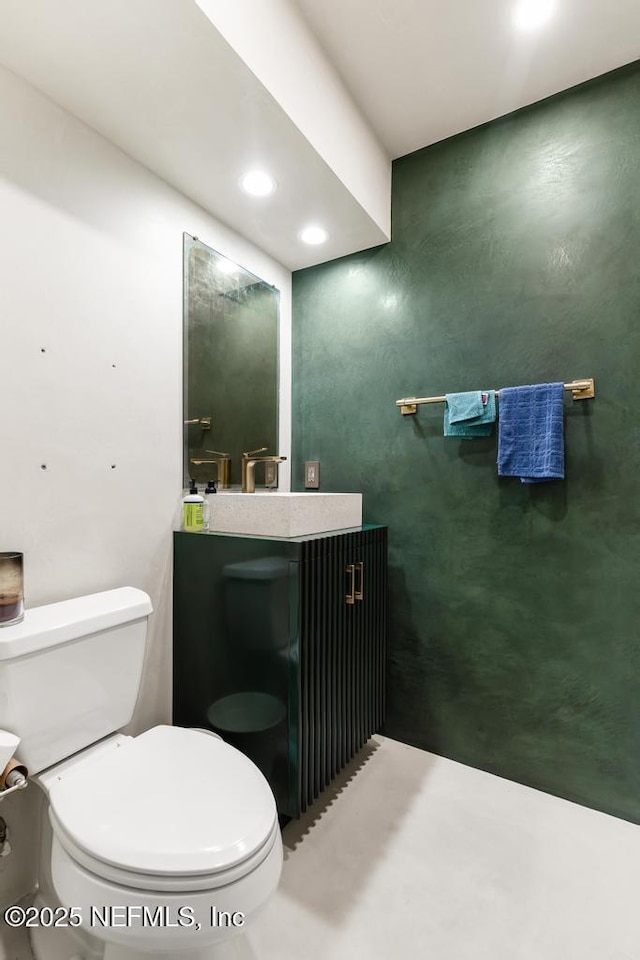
[249, 461]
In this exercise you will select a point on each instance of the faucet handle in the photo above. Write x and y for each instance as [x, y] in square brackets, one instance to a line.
[204, 422]
[252, 453]
[217, 453]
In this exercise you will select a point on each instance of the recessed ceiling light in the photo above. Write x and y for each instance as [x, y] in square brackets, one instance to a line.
[258, 183]
[530, 14]
[314, 235]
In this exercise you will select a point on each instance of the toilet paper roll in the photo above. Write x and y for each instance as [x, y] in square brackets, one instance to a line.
[13, 767]
[8, 745]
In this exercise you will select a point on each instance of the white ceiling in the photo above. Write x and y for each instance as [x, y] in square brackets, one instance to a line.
[159, 79]
[423, 70]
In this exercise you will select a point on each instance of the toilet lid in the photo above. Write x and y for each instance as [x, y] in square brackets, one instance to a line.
[172, 801]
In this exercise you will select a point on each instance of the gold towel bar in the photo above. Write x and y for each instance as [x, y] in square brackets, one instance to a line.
[581, 390]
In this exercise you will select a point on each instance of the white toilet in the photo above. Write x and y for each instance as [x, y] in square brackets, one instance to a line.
[166, 843]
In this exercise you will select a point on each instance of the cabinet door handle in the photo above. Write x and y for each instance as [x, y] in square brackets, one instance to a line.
[350, 598]
[359, 594]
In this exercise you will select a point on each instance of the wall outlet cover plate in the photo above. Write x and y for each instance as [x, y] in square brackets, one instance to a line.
[312, 474]
[271, 475]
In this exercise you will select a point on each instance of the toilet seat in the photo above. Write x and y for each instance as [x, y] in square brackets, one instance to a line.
[170, 810]
[172, 883]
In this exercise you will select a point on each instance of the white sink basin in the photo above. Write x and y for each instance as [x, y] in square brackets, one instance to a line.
[281, 514]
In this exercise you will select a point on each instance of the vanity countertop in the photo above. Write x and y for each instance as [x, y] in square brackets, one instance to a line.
[283, 514]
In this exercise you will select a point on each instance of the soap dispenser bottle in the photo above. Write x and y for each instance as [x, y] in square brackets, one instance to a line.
[208, 506]
[193, 511]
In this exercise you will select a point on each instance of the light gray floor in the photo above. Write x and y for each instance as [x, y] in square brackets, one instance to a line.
[412, 856]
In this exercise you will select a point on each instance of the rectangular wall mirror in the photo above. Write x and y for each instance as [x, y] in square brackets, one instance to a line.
[230, 365]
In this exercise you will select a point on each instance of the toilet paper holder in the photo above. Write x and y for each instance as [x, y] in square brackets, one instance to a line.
[14, 777]
[13, 774]
[18, 782]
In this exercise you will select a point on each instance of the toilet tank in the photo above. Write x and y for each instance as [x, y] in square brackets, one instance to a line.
[70, 673]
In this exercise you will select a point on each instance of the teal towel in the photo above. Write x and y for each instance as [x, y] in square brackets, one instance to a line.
[464, 406]
[473, 425]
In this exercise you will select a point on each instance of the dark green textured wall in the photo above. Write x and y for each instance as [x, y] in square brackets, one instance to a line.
[514, 611]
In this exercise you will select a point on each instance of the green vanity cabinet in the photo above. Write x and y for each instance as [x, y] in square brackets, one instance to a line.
[280, 647]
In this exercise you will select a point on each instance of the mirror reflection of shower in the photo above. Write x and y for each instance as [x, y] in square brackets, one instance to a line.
[230, 365]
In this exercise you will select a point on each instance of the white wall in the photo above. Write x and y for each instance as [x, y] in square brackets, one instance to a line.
[91, 363]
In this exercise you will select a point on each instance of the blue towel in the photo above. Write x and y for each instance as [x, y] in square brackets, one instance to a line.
[531, 433]
[469, 415]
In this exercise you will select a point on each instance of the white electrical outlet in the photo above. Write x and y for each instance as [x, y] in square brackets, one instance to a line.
[312, 474]
[271, 475]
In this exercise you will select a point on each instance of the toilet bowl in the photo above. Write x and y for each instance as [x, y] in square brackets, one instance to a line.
[161, 845]
[165, 843]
